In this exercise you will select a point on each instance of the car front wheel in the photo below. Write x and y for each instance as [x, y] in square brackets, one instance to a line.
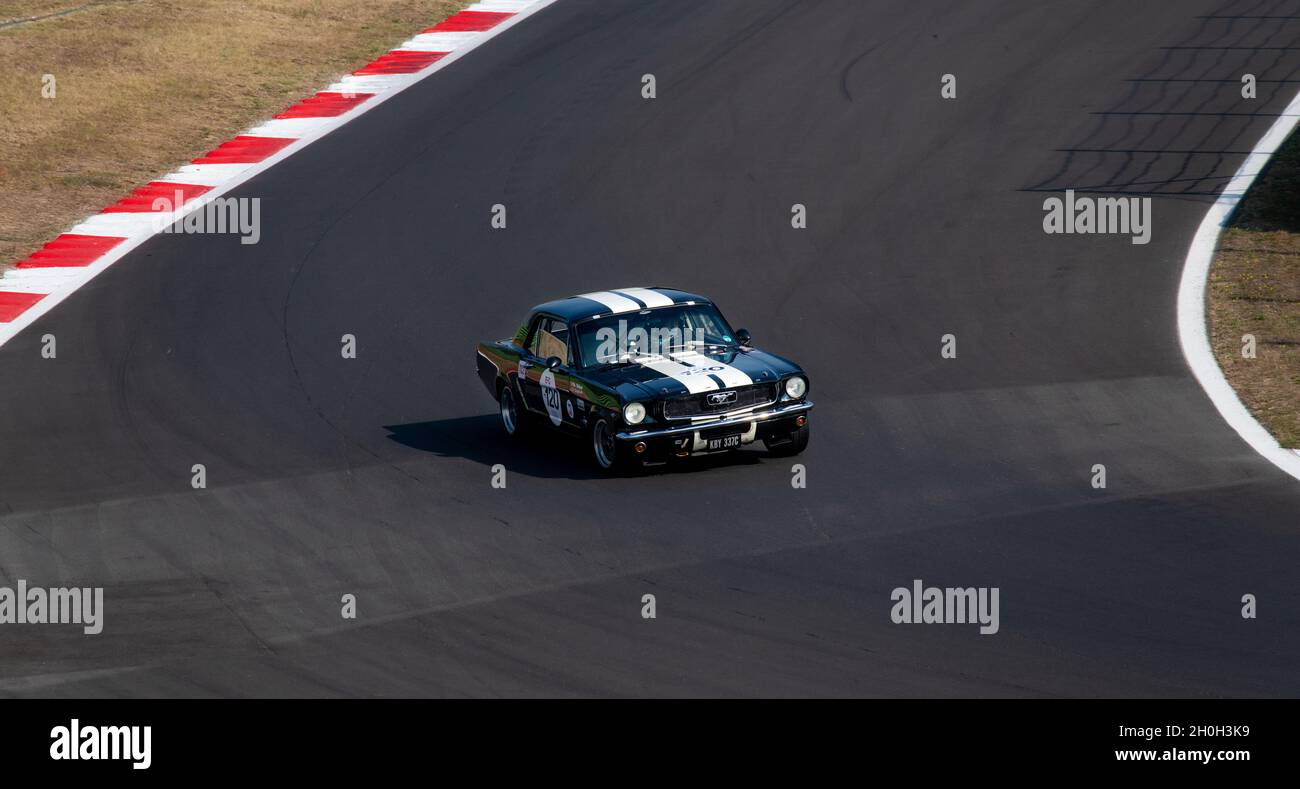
[791, 445]
[605, 450]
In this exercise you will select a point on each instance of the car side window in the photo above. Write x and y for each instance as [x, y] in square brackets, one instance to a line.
[535, 333]
[550, 338]
[553, 340]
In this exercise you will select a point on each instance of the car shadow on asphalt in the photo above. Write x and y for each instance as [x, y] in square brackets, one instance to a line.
[545, 453]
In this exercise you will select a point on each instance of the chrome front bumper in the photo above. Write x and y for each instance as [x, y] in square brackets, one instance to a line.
[788, 409]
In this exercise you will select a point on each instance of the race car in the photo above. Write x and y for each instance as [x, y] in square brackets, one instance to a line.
[645, 375]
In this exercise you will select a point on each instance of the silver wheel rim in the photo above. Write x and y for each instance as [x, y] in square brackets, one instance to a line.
[603, 444]
[508, 411]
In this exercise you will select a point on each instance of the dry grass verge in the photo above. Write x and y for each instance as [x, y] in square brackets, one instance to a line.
[143, 86]
[1254, 289]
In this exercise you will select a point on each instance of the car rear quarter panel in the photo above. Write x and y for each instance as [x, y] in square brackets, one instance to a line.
[495, 360]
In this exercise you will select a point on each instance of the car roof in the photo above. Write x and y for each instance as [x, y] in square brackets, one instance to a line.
[612, 302]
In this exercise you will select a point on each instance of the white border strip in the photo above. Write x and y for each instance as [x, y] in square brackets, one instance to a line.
[1193, 332]
[383, 90]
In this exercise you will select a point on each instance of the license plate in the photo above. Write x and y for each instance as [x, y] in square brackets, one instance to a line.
[726, 442]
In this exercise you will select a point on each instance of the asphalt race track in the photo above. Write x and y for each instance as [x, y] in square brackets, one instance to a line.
[372, 476]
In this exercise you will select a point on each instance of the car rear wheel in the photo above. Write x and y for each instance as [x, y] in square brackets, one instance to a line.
[792, 445]
[512, 417]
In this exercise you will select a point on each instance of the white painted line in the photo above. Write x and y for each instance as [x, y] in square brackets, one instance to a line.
[126, 224]
[512, 6]
[1193, 333]
[205, 174]
[290, 127]
[383, 87]
[52, 273]
[379, 84]
[442, 42]
[37, 280]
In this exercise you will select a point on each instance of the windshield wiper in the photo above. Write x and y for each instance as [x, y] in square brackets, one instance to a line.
[694, 345]
[629, 357]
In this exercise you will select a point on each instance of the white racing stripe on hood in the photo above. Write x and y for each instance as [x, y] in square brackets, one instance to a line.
[731, 376]
[612, 301]
[694, 379]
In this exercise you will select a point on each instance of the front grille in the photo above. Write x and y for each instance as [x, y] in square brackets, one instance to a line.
[698, 404]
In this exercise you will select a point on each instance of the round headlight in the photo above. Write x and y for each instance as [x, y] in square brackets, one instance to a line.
[633, 413]
[795, 387]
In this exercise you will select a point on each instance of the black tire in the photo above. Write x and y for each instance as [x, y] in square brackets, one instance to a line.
[796, 443]
[607, 454]
[514, 419]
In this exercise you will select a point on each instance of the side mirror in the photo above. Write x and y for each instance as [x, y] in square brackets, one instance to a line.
[742, 336]
[552, 362]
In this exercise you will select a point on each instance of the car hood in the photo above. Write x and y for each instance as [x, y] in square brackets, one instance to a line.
[682, 373]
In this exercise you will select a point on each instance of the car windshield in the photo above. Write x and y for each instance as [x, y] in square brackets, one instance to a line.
[624, 337]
